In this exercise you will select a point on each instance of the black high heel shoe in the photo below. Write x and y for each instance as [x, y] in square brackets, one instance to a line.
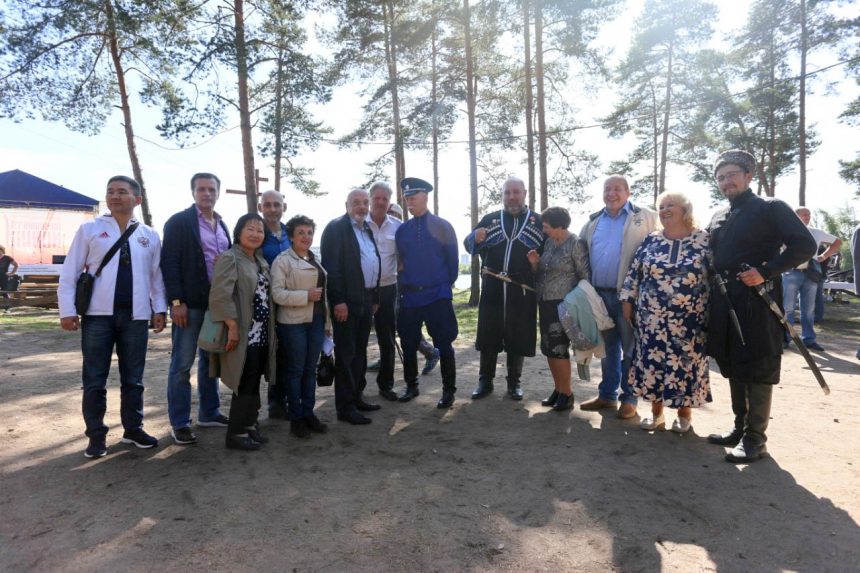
[563, 403]
[551, 400]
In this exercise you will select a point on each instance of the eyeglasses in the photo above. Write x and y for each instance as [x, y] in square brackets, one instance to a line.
[728, 175]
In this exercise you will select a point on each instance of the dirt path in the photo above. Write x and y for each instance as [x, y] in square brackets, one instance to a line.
[491, 485]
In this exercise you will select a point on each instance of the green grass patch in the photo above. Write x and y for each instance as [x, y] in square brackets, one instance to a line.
[29, 320]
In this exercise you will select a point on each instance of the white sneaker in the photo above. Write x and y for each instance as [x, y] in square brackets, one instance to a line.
[653, 423]
[681, 425]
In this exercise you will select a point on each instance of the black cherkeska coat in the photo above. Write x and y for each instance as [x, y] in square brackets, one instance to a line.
[507, 314]
[753, 230]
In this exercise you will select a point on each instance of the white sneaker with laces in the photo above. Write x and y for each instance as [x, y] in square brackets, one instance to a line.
[682, 425]
[653, 423]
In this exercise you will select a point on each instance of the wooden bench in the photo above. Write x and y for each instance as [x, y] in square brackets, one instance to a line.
[34, 290]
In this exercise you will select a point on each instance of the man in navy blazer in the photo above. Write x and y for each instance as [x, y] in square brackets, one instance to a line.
[193, 239]
[351, 259]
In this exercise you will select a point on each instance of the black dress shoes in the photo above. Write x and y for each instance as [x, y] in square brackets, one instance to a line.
[315, 425]
[446, 401]
[746, 452]
[363, 406]
[257, 436]
[726, 438]
[549, 401]
[563, 403]
[299, 429]
[388, 394]
[235, 442]
[515, 392]
[483, 389]
[410, 392]
[353, 417]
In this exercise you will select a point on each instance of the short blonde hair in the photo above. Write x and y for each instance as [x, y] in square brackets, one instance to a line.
[685, 203]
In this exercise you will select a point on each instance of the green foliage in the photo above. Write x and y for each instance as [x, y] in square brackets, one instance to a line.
[840, 223]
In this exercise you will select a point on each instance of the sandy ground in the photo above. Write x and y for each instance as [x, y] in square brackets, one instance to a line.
[491, 485]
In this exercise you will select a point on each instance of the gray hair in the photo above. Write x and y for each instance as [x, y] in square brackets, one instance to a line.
[513, 179]
[380, 185]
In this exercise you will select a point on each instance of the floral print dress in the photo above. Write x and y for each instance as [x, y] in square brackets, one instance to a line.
[668, 284]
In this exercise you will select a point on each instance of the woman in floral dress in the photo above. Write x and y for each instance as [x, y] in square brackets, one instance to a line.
[667, 289]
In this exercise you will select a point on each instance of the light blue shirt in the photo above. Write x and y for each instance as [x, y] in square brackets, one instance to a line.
[369, 256]
[605, 254]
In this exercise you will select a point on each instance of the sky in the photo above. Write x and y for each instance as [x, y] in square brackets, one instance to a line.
[84, 163]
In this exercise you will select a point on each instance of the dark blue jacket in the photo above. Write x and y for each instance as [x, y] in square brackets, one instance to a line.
[182, 261]
[272, 247]
[341, 258]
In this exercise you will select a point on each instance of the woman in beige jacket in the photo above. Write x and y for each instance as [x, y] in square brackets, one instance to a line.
[240, 298]
[298, 287]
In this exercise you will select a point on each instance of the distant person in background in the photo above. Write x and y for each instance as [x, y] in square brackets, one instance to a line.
[8, 267]
[127, 294]
[855, 254]
[804, 280]
[241, 298]
[193, 239]
[273, 208]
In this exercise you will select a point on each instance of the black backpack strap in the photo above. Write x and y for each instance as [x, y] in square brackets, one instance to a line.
[116, 246]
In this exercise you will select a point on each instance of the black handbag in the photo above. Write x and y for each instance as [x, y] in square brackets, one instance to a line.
[325, 370]
[814, 272]
[84, 286]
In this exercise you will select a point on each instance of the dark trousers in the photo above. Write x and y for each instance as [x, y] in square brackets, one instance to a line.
[350, 356]
[384, 322]
[487, 367]
[246, 398]
[441, 324]
[277, 393]
[99, 335]
[751, 407]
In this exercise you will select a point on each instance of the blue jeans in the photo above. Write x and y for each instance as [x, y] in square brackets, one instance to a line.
[619, 352]
[179, 377]
[99, 334]
[795, 282]
[301, 345]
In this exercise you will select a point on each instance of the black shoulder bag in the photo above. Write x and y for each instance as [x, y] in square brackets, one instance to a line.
[84, 286]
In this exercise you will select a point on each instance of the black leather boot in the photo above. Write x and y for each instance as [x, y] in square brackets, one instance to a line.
[752, 445]
[550, 400]
[448, 367]
[515, 371]
[486, 373]
[410, 374]
[739, 409]
[563, 403]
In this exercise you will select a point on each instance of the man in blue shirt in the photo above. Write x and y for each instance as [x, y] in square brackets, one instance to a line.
[273, 208]
[427, 246]
[613, 234]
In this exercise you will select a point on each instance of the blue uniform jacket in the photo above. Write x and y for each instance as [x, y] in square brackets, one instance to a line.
[428, 252]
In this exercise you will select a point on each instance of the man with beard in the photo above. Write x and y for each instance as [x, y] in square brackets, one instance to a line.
[507, 312]
[351, 259]
[747, 240]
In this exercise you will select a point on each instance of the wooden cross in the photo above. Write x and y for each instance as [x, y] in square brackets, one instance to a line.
[257, 180]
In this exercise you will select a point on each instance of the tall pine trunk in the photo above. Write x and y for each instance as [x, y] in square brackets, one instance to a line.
[435, 117]
[541, 112]
[530, 137]
[391, 57]
[279, 119]
[475, 294]
[116, 59]
[667, 108]
[802, 111]
[244, 107]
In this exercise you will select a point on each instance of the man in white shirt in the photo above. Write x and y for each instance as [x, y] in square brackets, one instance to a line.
[127, 293]
[802, 281]
[383, 228]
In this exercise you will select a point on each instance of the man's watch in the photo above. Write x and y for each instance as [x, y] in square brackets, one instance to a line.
[176, 302]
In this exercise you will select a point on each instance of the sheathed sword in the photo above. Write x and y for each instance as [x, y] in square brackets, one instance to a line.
[761, 292]
[721, 286]
[505, 278]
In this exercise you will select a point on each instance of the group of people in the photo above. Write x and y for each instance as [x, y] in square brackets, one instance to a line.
[635, 288]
